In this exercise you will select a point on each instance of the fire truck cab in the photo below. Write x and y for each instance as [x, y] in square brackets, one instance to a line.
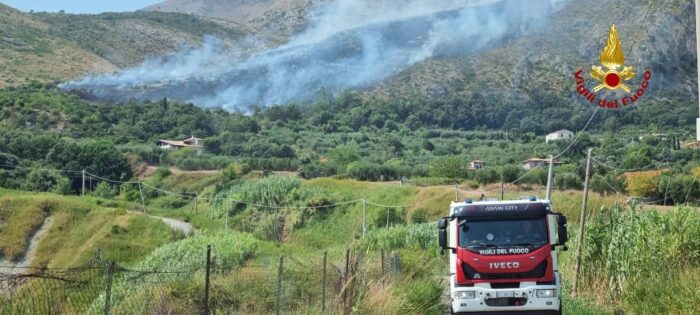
[503, 256]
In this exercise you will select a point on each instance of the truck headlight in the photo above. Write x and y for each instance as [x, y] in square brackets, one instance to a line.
[465, 295]
[548, 293]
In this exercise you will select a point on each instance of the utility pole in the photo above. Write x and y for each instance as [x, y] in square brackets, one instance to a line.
[502, 190]
[697, 41]
[550, 176]
[143, 202]
[364, 218]
[82, 191]
[582, 223]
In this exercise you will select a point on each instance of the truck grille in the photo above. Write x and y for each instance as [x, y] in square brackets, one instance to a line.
[537, 272]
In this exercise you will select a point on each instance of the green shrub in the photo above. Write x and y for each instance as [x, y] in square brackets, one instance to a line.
[433, 181]
[568, 181]
[413, 236]
[105, 190]
[509, 173]
[162, 171]
[419, 216]
[235, 171]
[313, 170]
[62, 186]
[449, 167]
[487, 176]
[537, 176]
[387, 217]
[44, 180]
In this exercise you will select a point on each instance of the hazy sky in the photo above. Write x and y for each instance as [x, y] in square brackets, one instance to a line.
[79, 6]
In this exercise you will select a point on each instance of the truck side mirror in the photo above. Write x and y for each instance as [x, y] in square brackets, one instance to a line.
[562, 231]
[442, 233]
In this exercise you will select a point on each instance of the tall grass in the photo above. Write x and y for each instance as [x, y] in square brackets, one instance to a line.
[631, 257]
[169, 273]
[272, 207]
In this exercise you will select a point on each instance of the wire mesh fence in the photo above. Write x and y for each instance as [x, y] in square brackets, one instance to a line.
[287, 285]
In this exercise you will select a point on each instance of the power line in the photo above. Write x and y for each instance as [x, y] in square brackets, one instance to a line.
[40, 169]
[578, 134]
[625, 169]
[639, 29]
[409, 205]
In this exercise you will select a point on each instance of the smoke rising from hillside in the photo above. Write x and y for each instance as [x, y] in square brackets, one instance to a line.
[348, 44]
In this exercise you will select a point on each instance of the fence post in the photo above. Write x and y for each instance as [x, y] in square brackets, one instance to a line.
[346, 277]
[108, 291]
[382, 263]
[278, 301]
[206, 281]
[323, 285]
[364, 218]
[82, 191]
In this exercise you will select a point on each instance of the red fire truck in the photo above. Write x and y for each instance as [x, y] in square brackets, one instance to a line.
[503, 256]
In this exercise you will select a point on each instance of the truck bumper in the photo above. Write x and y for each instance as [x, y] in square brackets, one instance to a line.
[490, 300]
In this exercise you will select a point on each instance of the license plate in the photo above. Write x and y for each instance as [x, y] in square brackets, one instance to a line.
[507, 294]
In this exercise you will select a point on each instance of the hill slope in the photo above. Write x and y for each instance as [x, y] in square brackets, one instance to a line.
[50, 47]
[275, 17]
[29, 52]
[574, 38]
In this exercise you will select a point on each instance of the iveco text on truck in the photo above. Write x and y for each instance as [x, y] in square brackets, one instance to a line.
[503, 256]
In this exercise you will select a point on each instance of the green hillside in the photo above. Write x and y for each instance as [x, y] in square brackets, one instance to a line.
[51, 47]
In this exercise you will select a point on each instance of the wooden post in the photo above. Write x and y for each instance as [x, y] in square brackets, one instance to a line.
[346, 278]
[582, 224]
[323, 284]
[108, 291]
[550, 177]
[382, 252]
[278, 302]
[364, 218]
[503, 191]
[456, 192]
[82, 191]
[206, 281]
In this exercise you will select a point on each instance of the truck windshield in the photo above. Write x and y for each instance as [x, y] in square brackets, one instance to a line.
[521, 233]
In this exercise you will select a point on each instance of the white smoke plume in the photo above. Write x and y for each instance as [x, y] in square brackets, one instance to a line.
[348, 44]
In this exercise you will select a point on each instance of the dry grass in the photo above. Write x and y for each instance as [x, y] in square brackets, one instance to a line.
[18, 222]
[379, 299]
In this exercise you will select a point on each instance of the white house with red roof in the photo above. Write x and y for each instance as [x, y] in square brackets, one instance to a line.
[191, 142]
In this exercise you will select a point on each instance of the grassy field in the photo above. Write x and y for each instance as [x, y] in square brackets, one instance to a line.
[82, 226]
